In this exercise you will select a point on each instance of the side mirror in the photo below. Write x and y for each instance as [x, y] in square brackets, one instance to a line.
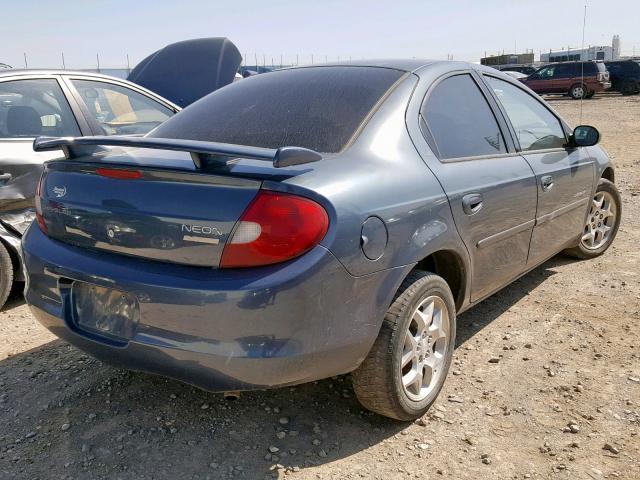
[584, 136]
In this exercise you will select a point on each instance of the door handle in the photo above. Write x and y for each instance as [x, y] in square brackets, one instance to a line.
[472, 203]
[546, 182]
[5, 177]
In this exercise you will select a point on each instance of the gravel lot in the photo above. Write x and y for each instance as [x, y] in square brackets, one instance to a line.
[562, 401]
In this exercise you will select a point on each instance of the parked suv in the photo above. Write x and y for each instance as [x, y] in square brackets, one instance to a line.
[576, 79]
[625, 76]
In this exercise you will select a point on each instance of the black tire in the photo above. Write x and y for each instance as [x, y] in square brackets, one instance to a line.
[581, 250]
[629, 88]
[6, 275]
[377, 382]
[578, 91]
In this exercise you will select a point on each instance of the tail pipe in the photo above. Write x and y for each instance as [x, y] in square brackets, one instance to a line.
[231, 395]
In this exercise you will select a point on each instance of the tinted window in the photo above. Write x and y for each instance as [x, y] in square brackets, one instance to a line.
[318, 107]
[120, 110]
[623, 67]
[536, 127]
[565, 71]
[614, 68]
[29, 108]
[460, 120]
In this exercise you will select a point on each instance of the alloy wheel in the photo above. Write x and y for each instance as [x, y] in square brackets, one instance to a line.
[425, 348]
[600, 221]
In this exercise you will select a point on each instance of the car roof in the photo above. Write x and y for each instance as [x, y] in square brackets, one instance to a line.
[406, 65]
[45, 72]
[21, 71]
[571, 62]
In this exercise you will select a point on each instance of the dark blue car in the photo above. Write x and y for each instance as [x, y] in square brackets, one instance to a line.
[311, 222]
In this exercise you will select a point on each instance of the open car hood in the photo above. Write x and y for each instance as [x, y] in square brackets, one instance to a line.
[186, 71]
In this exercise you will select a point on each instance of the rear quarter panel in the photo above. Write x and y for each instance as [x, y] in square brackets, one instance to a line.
[381, 175]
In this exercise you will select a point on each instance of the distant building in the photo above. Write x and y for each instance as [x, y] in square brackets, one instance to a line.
[591, 53]
[507, 59]
[615, 44]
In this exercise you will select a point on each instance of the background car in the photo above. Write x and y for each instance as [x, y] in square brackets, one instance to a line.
[330, 219]
[625, 76]
[526, 69]
[58, 104]
[576, 79]
[516, 75]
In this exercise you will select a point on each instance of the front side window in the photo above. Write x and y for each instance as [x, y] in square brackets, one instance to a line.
[30, 108]
[546, 73]
[536, 127]
[460, 120]
[120, 110]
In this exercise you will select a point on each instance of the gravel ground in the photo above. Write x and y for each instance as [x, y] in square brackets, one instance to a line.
[562, 401]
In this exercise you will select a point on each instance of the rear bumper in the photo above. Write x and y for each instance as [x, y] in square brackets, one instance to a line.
[219, 330]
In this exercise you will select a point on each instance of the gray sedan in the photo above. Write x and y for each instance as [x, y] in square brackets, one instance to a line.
[311, 222]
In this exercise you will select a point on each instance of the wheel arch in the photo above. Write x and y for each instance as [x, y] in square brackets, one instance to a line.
[449, 265]
[609, 174]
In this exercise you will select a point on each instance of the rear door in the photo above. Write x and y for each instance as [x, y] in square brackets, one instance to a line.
[491, 189]
[30, 106]
[564, 176]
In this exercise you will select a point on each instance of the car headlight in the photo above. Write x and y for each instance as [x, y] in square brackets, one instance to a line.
[19, 221]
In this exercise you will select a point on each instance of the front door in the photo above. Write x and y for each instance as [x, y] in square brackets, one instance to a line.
[564, 176]
[28, 108]
[490, 187]
[542, 81]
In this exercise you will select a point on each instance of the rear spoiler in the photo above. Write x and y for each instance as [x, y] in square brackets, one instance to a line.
[74, 147]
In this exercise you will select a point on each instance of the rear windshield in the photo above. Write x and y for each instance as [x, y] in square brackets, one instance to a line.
[318, 107]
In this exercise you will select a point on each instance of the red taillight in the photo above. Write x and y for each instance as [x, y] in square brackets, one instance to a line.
[119, 173]
[39, 217]
[275, 227]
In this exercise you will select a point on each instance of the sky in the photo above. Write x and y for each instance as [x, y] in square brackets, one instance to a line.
[331, 30]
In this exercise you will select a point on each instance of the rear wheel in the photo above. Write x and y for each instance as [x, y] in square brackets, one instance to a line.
[628, 88]
[6, 274]
[602, 222]
[408, 363]
[578, 91]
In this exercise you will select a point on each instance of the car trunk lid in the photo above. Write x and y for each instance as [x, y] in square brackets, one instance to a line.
[156, 207]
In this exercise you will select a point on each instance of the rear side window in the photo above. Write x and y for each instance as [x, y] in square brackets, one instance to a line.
[317, 107]
[34, 107]
[120, 110]
[566, 70]
[460, 121]
[536, 127]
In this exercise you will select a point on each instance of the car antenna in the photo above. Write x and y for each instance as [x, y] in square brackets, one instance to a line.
[584, 23]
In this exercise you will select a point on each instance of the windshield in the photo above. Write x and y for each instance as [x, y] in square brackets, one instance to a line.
[319, 108]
